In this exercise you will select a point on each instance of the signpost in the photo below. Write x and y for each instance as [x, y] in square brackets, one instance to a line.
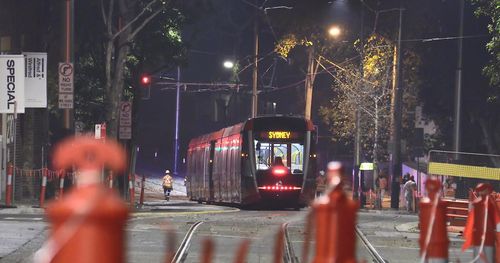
[66, 71]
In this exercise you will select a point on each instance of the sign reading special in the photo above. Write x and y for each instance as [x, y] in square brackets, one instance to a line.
[36, 80]
[11, 83]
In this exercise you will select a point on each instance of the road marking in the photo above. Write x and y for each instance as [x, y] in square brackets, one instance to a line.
[138, 215]
[23, 218]
[228, 236]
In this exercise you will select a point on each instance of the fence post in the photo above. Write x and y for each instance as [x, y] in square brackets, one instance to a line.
[61, 184]
[44, 186]
[131, 191]
[8, 192]
[141, 201]
[110, 179]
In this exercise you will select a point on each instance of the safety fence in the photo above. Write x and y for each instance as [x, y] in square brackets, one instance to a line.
[35, 186]
[464, 170]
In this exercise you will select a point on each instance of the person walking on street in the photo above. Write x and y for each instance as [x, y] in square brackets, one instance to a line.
[320, 183]
[382, 186]
[409, 187]
[167, 184]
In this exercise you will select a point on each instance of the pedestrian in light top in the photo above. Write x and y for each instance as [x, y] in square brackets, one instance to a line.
[409, 187]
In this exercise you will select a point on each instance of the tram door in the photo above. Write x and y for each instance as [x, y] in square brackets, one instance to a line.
[210, 171]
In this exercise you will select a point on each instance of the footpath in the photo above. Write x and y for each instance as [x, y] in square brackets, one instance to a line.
[395, 235]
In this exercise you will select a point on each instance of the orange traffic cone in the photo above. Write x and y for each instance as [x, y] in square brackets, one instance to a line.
[480, 227]
[433, 235]
[88, 224]
[335, 217]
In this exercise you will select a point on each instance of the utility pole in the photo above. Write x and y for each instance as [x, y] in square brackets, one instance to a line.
[68, 52]
[395, 138]
[309, 81]
[357, 136]
[255, 65]
[458, 83]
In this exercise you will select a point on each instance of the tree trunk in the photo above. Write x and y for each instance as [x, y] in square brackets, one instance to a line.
[490, 142]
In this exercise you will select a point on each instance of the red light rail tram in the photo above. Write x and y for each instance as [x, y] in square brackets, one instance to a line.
[262, 161]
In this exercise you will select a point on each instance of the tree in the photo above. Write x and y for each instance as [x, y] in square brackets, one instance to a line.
[491, 10]
[129, 38]
[368, 90]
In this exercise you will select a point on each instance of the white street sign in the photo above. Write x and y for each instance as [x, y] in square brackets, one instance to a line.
[11, 83]
[65, 101]
[35, 80]
[66, 71]
[98, 131]
[125, 133]
[125, 130]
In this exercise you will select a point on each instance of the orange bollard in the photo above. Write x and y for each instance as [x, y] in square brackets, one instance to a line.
[482, 215]
[88, 225]
[8, 192]
[497, 234]
[207, 251]
[433, 234]
[44, 186]
[131, 190]
[141, 198]
[335, 217]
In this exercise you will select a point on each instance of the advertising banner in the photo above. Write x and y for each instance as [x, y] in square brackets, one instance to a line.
[35, 89]
[11, 83]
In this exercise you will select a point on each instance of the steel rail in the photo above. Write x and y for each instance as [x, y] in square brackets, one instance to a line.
[289, 253]
[375, 255]
[182, 251]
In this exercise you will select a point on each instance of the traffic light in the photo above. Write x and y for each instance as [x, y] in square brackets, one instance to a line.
[145, 80]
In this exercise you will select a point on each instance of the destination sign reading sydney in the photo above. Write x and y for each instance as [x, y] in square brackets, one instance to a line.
[279, 135]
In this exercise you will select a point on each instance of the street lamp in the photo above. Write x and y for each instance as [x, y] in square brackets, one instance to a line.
[334, 31]
[228, 64]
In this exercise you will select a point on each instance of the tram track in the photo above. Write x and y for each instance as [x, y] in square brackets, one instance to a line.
[181, 253]
[377, 258]
[288, 253]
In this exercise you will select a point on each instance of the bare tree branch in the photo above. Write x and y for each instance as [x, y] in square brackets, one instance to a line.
[110, 17]
[136, 18]
[103, 13]
[144, 23]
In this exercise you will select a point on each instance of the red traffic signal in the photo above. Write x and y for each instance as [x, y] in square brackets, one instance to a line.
[145, 80]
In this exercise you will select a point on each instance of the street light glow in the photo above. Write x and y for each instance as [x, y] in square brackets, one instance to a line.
[334, 31]
[228, 64]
